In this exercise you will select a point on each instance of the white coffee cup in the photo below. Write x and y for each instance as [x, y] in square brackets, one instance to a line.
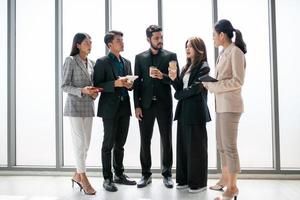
[151, 68]
[172, 66]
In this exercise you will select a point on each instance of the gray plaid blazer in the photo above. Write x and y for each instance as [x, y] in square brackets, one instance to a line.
[74, 77]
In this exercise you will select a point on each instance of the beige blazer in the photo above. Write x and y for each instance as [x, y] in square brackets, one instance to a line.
[230, 72]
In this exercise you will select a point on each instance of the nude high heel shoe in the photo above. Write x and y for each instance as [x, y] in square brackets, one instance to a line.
[217, 187]
[75, 181]
[228, 195]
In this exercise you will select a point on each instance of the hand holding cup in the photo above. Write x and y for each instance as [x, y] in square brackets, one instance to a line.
[172, 70]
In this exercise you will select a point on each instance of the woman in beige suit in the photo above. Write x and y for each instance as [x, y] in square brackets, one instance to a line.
[77, 81]
[230, 72]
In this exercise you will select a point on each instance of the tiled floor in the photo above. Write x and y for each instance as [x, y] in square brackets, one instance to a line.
[59, 188]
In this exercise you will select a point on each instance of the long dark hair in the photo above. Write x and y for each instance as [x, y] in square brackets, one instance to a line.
[78, 38]
[200, 53]
[226, 27]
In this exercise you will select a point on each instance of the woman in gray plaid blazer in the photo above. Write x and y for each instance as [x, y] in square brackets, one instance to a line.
[77, 82]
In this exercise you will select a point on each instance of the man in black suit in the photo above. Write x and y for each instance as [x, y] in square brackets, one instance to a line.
[114, 107]
[153, 99]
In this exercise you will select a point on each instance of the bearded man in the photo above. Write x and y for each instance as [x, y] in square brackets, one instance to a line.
[153, 100]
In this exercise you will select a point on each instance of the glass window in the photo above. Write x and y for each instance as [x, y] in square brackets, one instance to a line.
[87, 17]
[182, 20]
[255, 130]
[3, 82]
[288, 71]
[135, 40]
[35, 82]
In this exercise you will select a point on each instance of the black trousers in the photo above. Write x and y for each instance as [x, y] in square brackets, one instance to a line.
[191, 165]
[115, 135]
[164, 119]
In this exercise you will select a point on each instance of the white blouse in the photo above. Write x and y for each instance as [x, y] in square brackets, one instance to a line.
[186, 78]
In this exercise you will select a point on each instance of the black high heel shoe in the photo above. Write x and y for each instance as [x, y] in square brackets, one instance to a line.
[74, 181]
[85, 187]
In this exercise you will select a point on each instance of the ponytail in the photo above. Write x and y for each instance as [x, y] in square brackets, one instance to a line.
[239, 42]
[226, 27]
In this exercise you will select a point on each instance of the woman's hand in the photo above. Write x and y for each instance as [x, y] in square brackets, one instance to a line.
[94, 96]
[205, 85]
[172, 74]
[87, 90]
[91, 91]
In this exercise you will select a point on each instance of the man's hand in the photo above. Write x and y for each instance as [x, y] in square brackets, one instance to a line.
[128, 84]
[156, 73]
[139, 114]
[120, 82]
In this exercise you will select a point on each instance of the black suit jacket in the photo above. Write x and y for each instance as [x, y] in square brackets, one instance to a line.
[192, 105]
[143, 85]
[105, 74]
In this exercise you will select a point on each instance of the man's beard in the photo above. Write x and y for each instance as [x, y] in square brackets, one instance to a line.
[155, 47]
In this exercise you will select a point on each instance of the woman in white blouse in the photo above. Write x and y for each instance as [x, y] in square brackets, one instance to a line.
[192, 114]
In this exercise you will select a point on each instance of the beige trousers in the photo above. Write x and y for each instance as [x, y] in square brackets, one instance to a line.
[81, 129]
[226, 134]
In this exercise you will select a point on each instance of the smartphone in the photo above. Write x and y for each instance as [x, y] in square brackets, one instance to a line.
[98, 89]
